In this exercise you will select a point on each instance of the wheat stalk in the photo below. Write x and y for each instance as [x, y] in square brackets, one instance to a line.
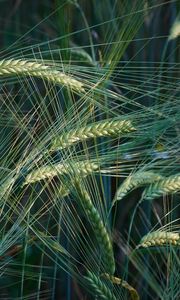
[135, 180]
[102, 235]
[159, 238]
[99, 287]
[32, 68]
[105, 128]
[115, 280]
[169, 185]
[81, 168]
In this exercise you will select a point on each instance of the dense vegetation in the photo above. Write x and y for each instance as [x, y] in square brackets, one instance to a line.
[89, 150]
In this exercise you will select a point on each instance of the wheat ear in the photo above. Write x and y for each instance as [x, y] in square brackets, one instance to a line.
[169, 185]
[98, 287]
[159, 238]
[105, 128]
[115, 280]
[134, 181]
[102, 235]
[32, 68]
[82, 168]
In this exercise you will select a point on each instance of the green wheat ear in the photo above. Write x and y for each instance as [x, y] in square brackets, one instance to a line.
[12, 67]
[115, 280]
[83, 168]
[134, 181]
[169, 185]
[99, 228]
[111, 127]
[98, 287]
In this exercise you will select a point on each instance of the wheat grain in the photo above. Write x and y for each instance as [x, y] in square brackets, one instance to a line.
[169, 185]
[105, 128]
[32, 68]
[135, 180]
[102, 235]
[98, 287]
[115, 280]
[82, 168]
[159, 238]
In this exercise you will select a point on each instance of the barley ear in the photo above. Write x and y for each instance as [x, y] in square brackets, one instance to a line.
[160, 238]
[115, 280]
[169, 185]
[98, 287]
[112, 127]
[20, 67]
[99, 228]
[83, 168]
[134, 181]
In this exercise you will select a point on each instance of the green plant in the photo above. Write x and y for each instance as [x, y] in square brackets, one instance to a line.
[89, 115]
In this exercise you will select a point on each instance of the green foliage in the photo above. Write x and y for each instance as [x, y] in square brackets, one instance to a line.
[89, 115]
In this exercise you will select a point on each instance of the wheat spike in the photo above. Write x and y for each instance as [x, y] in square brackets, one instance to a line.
[115, 280]
[102, 235]
[105, 128]
[159, 238]
[169, 185]
[81, 168]
[133, 181]
[32, 68]
[98, 287]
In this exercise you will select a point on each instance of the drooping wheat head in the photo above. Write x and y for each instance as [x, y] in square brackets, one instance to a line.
[134, 181]
[99, 288]
[160, 238]
[169, 185]
[12, 67]
[116, 280]
[101, 233]
[98, 129]
[83, 168]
